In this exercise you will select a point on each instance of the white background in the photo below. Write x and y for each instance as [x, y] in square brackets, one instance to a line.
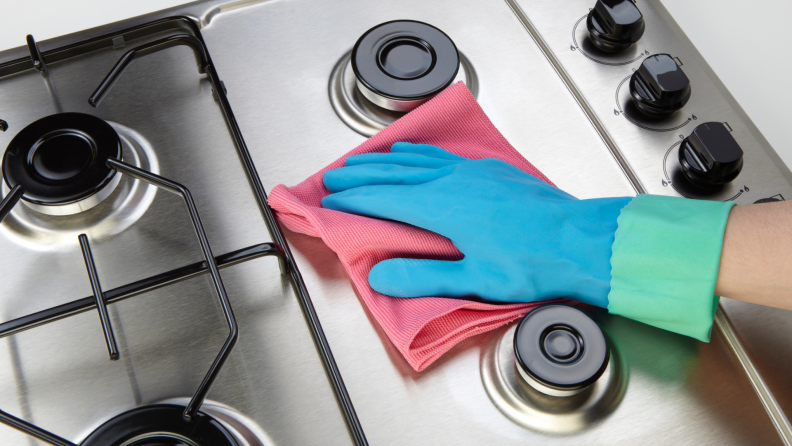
[745, 43]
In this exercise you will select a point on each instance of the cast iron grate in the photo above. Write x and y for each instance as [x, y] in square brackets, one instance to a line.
[210, 265]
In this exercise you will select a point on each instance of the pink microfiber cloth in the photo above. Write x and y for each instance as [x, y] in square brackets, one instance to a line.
[421, 328]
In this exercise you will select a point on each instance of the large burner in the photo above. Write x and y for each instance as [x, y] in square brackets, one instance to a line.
[160, 425]
[61, 162]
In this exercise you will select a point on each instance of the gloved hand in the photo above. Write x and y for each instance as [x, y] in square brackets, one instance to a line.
[523, 239]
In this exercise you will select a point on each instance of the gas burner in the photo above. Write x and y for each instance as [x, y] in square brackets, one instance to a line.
[61, 162]
[560, 350]
[401, 64]
[517, 396]
[366, 118]
[392, 69]
[242, 428]
[161, 425]
[121, 209]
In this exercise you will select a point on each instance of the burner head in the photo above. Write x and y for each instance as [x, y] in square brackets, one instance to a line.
[560, 350]
[160, 425]
[399, 65]
[61, 162]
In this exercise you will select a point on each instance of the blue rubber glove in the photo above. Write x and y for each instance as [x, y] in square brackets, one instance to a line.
[523, 240]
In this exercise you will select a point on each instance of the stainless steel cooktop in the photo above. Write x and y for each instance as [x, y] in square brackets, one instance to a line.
[563, 111]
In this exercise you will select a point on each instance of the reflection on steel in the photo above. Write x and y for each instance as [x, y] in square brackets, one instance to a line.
[99, 297]
[153, 47]
[33, 431]
[770, 404]
[10, 200]
[137, 288]
[35, 55]
[228, 346]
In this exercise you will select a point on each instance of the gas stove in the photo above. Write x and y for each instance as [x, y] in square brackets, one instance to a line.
[202, 340]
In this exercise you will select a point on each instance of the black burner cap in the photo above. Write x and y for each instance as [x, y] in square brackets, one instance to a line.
[160, 425]
[561, 347]
[62, 158]
[405, 59]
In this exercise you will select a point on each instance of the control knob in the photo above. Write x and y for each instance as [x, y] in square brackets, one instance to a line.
[659, 87]
[614, 25]
[710, 157]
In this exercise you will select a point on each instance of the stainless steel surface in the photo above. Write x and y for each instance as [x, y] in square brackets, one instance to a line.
[765, 396]
[679, 391]
[355, 109]
[650, 149]
[58, 375]
[579, 97]
[538, 410]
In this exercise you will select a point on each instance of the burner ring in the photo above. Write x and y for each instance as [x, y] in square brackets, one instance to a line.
[61, 161]
[159, 439]
[160, 424]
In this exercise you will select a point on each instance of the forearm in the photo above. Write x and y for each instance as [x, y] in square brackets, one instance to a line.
[756, 261]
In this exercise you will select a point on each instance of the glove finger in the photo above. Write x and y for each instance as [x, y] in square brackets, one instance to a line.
[401, 203]
[400, 159]
[421, 278]
[425, 150]
[344, 178]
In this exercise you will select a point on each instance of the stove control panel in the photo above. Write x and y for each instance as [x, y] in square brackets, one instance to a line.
[660, 109]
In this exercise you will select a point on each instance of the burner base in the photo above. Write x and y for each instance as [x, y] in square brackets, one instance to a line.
[160, 424]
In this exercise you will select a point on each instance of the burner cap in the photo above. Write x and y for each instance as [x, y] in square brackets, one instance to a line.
[403, 63]
[160, 425]
[61, 160]
[560, 350]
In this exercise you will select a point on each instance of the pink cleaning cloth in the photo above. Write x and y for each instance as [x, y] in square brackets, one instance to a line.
[421, 328]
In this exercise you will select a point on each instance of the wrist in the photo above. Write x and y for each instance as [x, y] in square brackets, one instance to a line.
[596, 218]
[665, 261]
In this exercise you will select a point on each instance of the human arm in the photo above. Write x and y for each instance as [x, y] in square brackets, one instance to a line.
[756, 260]
[651, 258]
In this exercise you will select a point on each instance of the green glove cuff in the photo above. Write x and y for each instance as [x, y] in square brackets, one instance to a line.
[665, 260]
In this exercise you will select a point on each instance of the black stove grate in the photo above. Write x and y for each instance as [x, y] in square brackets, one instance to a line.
[211, 264]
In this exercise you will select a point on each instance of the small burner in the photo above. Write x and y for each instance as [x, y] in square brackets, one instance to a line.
[401, 64]
[559, 350]
[160, 425]
[61, 162]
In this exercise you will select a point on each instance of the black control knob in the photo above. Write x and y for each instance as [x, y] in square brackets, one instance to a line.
[560, 350]
[659, 87]
[614, 25]
[710, 157]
